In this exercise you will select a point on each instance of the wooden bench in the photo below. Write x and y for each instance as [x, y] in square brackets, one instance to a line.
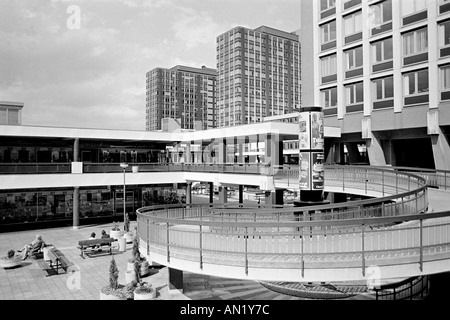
[95, 245]
[58, 260]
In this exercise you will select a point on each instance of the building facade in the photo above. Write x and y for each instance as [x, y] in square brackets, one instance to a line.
[183, 93]
[381, 72]
[258, 75]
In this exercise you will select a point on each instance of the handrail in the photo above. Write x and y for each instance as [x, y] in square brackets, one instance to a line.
[27, 168]
[406, 289]
[243, 236]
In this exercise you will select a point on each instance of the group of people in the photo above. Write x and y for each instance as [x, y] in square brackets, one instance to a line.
[104, 235]
[93, 237]
[38, 243]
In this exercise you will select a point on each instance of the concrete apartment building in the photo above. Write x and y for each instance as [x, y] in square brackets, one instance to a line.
[381, 71]
[183, 93]
[258, 75]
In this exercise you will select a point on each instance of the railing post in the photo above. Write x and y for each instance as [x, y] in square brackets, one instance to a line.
[168, 249]
[343, 178]
[302, 258]
[396, 183]
[421, 246]
[148, 238]
[246, 252]
[363, 258]
[201, 249]
[382, 181]
[365, 179]
[445, 180]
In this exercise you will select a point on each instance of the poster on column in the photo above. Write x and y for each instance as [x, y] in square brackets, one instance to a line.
[303, 136]
[317, 139]
[317, 170]
[304, 174]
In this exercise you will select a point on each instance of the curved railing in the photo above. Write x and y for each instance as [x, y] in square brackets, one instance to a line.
[407, 289]
[188, 234]
[434, 177]
[343, 236]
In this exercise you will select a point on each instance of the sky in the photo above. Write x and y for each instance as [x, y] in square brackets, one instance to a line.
[83, 63]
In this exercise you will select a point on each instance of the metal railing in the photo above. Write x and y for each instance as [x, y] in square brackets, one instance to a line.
[246, 168]
[288, 174]
[28, 168]
[190, 233]
[407, 289]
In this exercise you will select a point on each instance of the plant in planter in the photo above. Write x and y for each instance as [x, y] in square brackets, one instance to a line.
[115, 233]
[144, 291]
[128, 234]
[11, 260]
[114, 290]
[137, 256]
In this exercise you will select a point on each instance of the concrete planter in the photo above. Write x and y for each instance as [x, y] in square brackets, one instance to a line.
[116, 234]
[104, 296]
[145, 296]
[6, 262]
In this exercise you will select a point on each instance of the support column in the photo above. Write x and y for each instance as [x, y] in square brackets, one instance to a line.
[223, 194]
[375, 151]
[211, 192]
[76, 208]
[441, 151]
[274, 197]
[189, 193]
[76, 150]
[241, 193]
[175, 280]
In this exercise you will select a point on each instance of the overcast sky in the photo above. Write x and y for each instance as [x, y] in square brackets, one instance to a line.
[82, 63]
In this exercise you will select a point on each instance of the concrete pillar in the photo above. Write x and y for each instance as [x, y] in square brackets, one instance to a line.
[76, 150]
[222, 156]
[187, 154]
[240, 149]
[189, 193]
[211, 192]
[76, 208]
[175, 280]
[223, 194]
[375, 151]
[241, 193]
[441, 151]
[274, 197]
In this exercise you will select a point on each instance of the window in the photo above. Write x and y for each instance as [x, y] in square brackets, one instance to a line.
[327, 4]
[354, 58]
[383, 88]
[445, 78]
[444, 33]
[380, 13]
[412, 6]
[329, 97]
[382, 50]
[354, 93]
[415, 42]
[328, 32]
[415, 82]
[328, 65]
[353, 23]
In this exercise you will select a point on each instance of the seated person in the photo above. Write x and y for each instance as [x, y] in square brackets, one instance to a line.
[92, 236]
[104, 234]
[32, 248]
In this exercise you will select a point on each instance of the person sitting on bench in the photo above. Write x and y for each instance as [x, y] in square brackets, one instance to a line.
[32, 248]
[95, 247]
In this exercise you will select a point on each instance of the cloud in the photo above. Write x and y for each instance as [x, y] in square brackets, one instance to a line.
[195, 28]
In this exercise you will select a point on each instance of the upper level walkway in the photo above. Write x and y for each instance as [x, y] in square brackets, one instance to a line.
[404, 233]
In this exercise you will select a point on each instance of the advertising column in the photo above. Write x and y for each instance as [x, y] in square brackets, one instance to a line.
[311, 155]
